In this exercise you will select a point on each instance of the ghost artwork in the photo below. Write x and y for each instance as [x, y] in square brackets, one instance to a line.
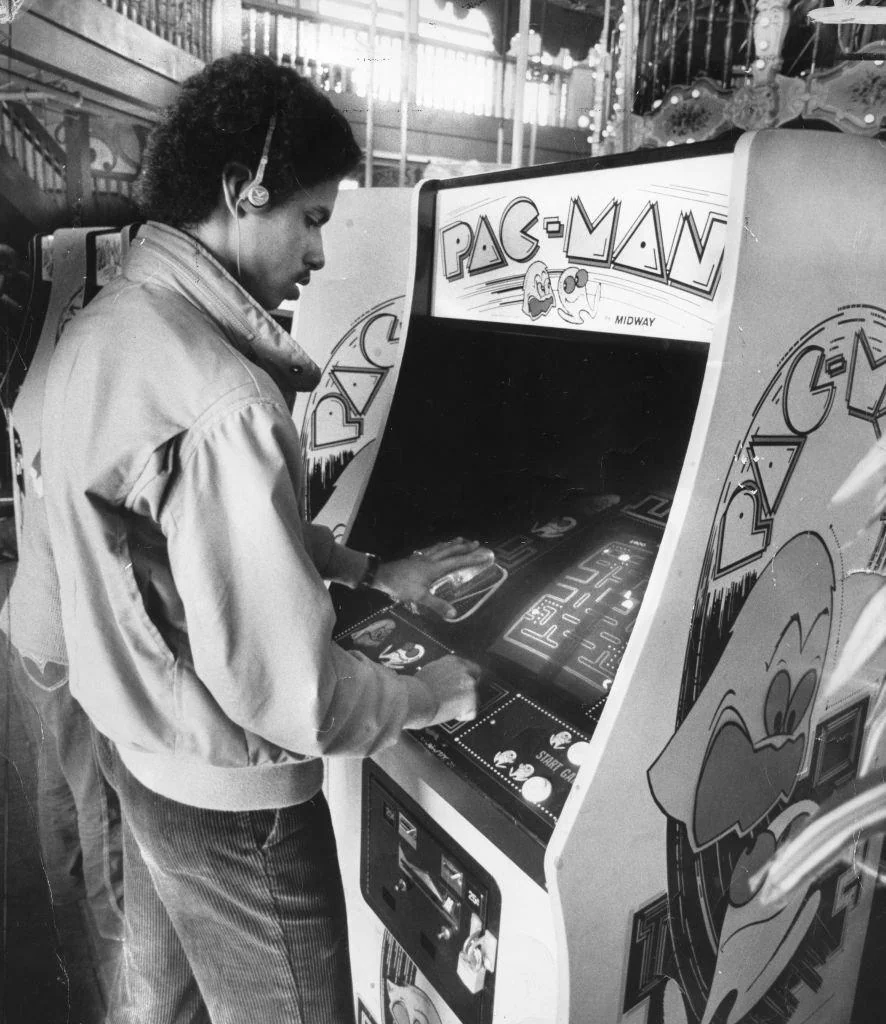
[538, 298]
[555, 528]
[561, 740]
[398, 658]
[577, 295]
[505, 757]
[375, 634]
[731, 768]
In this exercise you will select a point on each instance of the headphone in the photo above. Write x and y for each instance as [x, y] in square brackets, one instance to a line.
[253, 191]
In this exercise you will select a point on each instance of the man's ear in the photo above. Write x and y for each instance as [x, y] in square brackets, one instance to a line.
[235, 181]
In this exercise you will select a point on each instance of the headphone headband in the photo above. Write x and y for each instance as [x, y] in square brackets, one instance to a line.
[255, 192]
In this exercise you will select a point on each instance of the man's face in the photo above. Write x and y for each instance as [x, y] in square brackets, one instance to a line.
[282, 245]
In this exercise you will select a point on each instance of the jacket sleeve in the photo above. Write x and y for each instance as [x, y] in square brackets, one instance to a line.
[258, 615]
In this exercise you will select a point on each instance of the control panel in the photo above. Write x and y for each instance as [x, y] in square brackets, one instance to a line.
[548, 621]
[434, 898]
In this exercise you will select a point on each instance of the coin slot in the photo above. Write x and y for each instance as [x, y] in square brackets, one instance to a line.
[408, 832]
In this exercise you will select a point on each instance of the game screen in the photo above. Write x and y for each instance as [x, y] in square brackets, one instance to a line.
[560, 452]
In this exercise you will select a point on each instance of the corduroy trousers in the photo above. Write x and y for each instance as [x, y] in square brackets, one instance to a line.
[232, 917]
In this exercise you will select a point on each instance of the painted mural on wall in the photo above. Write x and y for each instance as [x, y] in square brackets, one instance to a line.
[116, 147]
[629, 250]
[757, 747]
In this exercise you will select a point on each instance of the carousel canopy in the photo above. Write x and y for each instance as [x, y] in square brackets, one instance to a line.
[573, 25]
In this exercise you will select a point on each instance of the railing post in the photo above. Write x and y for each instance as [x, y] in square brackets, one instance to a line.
[370, 95]
[226, 20]
[602, 81]
[770, 29]
[78, 179]
[629, 50]
[498, 108]
[520, 84]
[407, 80]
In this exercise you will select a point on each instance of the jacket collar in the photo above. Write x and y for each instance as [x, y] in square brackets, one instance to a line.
[174, 259]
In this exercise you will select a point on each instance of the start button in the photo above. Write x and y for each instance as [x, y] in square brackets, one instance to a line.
[536, 790]
[578, 752]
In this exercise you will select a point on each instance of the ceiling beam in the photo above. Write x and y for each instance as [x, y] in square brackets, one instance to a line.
[101, 52]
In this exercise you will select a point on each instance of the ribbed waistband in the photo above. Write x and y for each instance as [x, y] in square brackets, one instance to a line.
[251, 788]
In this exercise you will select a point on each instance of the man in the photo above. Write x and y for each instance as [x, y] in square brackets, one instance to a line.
[193, 601]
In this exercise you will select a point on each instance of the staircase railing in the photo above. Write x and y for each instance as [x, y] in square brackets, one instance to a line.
[44, 161]
[32, 147]
[186, 24]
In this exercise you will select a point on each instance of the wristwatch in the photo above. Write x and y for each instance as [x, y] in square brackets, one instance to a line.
[369, 573]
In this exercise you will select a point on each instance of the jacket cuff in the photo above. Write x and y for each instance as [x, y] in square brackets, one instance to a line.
[334, 561]
[423, 704]
[345, 565]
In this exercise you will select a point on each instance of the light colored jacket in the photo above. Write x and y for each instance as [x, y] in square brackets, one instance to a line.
[197, 620]
[33, 613]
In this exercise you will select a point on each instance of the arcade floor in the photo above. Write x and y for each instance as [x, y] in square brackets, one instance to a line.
[53, 967]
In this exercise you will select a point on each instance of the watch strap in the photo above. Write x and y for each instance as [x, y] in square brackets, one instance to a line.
[371, 570]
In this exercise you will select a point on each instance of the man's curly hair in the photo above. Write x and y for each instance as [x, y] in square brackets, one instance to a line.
[222, 114]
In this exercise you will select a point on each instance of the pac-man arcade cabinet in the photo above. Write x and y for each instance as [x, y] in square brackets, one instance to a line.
[638, 380]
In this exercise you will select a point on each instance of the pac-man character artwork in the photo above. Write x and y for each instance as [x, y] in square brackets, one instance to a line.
[407, 997]
[759, 741]
[730, 771]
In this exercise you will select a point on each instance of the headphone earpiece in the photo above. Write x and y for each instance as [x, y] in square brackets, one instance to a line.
[253, 191]
[257, 195]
